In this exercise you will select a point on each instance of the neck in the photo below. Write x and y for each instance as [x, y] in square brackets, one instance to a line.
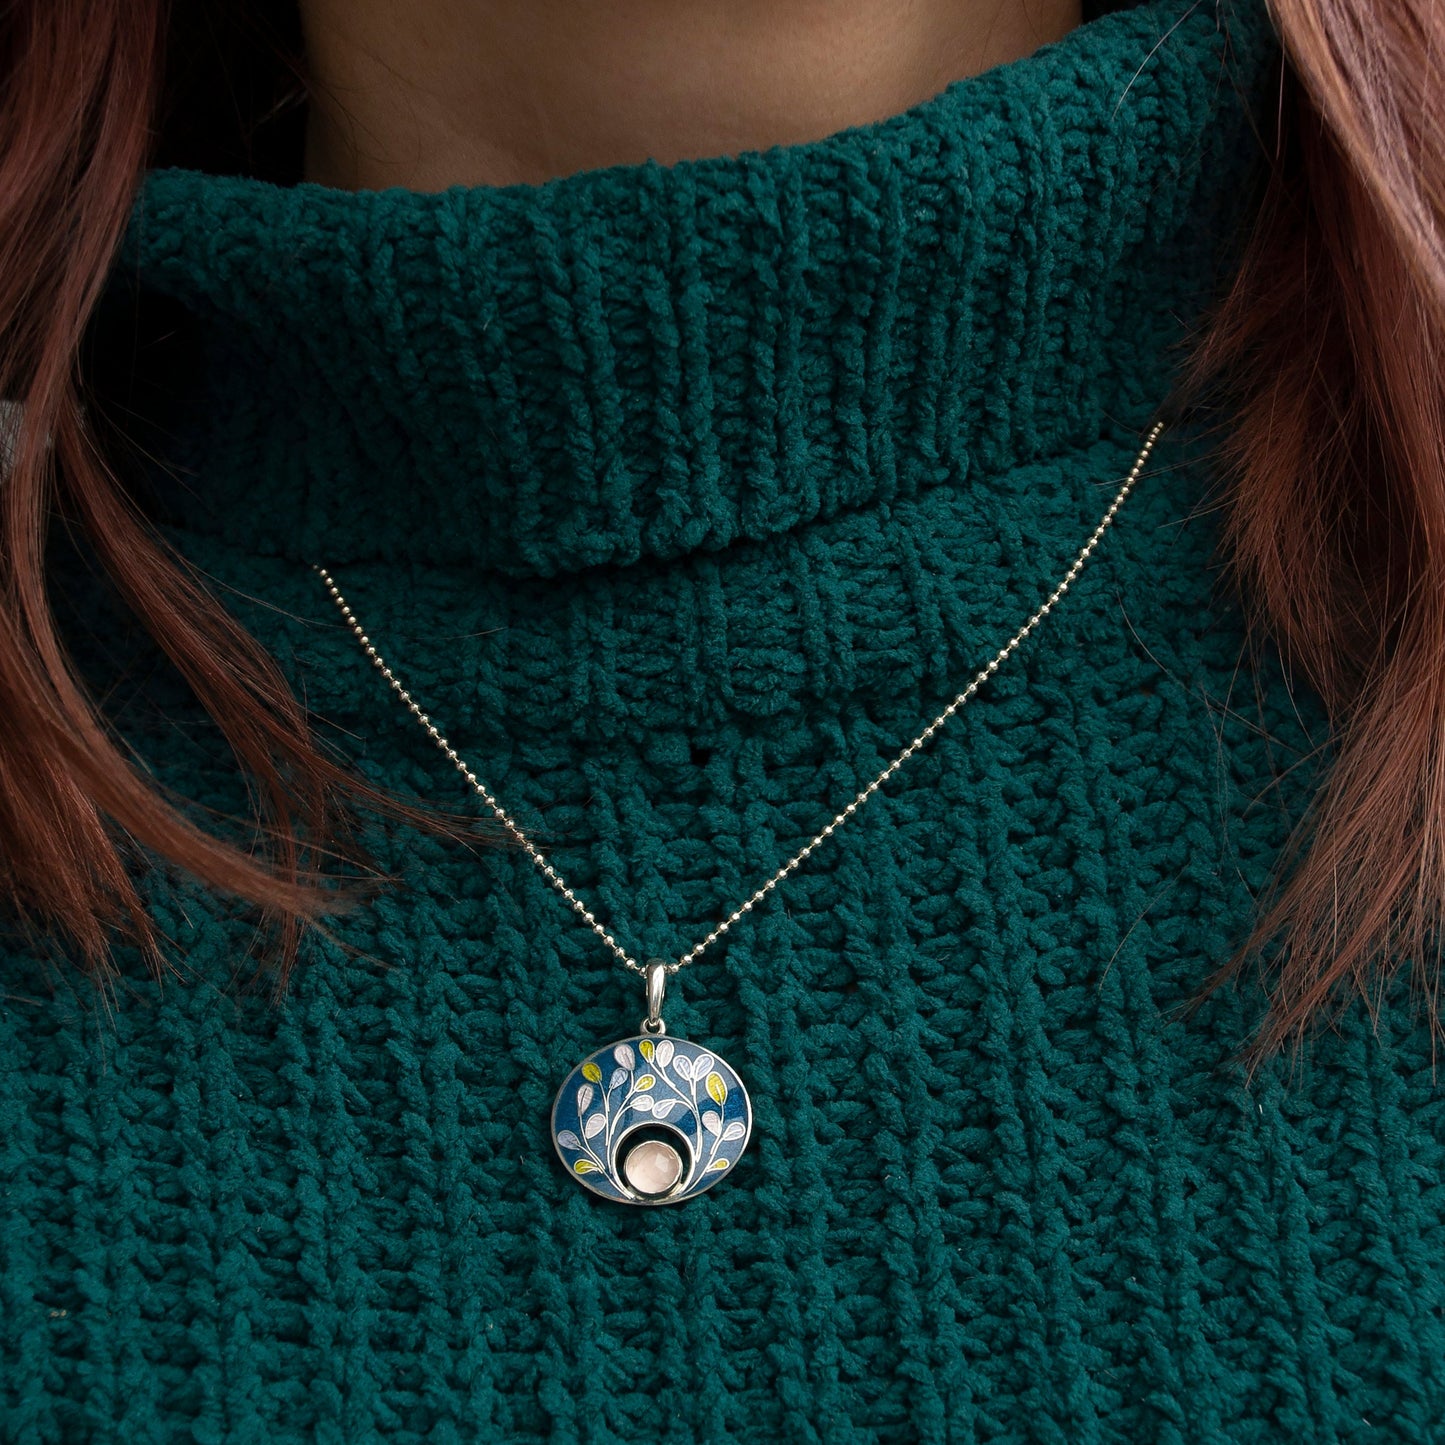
[497, 92]
[631, 365]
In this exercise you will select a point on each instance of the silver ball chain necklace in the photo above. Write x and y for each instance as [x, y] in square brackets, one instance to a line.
[655, 1120]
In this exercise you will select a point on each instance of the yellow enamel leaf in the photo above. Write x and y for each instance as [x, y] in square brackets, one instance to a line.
[645, 1048]
[645, 1082]
[719, 1164]
[591, 1071]
[717, 1088]
[585, 1166]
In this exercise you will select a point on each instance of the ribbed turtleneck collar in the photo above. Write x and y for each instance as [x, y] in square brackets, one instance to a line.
[643, 359]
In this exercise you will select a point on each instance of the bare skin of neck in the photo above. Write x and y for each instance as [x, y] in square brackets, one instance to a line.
[427, 94]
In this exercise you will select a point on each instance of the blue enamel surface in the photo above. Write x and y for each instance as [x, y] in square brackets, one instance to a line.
[666, 1084]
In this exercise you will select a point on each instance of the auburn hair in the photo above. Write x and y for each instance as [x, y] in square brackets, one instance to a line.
[1323, 358]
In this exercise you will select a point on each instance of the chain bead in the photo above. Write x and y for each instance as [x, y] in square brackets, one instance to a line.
[555, 878]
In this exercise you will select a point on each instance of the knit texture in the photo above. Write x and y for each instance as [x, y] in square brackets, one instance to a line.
[682, 497]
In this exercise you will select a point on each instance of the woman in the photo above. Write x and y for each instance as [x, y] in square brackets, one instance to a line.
[685, 405]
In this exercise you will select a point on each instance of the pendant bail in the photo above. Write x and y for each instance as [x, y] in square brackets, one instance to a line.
[656, 987]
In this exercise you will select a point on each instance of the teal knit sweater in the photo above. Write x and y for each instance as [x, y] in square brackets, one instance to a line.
[681, 497]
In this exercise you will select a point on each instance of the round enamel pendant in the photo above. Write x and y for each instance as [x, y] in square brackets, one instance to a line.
[651, 1120]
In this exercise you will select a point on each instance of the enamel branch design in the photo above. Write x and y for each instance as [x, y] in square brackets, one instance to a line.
[680, 1107]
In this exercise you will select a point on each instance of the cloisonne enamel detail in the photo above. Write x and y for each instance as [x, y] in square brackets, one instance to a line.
[661, 1096]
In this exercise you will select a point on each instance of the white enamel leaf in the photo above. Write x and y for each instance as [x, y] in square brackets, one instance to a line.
[700, 1065]
[735, 1130]
[663, 1107]
[712, 1121]
[594, 1126]
[624, 1056]
[664, 1052]
[643, 1104]
[584, 1097]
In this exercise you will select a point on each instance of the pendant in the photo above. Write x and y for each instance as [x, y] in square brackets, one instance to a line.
[649, 1119]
